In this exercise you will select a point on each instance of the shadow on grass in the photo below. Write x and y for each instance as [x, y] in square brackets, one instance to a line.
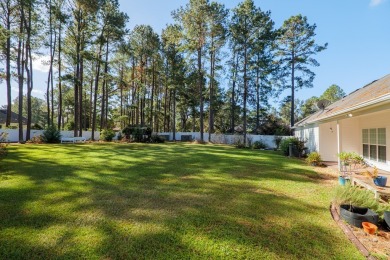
[160, 201]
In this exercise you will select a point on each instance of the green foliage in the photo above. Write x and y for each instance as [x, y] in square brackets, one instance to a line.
[333, 93]
[36, 127]
[69, 126]
[3, 147]
[356, 196]
[259, 145]
[351, 161]
[157, 139]
[137, 133]
[51, 135]
[298, 146]
[278, 140]
[313, 158]
[238, 142]
[107, 135]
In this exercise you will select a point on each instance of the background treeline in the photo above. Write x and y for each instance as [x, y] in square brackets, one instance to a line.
[213, 70]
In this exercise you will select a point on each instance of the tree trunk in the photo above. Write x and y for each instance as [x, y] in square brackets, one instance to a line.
[20, 69]
[200, 86]
[292, 91]
[8, 65]
[96, 93]
[245, 90]
[59, 79]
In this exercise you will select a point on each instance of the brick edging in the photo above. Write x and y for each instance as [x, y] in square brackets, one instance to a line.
[348, 232]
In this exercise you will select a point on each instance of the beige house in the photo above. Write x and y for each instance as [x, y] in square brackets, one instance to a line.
[360, 122]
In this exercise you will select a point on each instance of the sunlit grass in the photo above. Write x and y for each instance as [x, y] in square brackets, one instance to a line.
[168, 201]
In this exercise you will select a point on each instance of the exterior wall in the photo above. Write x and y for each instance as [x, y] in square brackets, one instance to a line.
[376, 120]
[310, 134]
[328, 141]
[269, 140]
[351, 135]
[13, 134]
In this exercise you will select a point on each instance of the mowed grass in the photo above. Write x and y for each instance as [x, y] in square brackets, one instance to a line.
[168, 201]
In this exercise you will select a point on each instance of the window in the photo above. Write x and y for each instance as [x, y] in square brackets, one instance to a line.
[374, 144]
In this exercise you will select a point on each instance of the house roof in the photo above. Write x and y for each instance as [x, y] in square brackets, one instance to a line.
[14, 117]
[374, 93]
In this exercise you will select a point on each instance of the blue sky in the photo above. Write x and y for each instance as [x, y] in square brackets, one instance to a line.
[357, 31]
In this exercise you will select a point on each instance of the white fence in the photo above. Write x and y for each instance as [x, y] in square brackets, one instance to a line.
[268, 140]
[13, 134]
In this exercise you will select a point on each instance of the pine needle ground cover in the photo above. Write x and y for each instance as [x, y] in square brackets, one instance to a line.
[168, 201]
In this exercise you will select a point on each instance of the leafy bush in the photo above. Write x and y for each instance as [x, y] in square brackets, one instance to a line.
[3, 147]
[314, 158]
[239, 142]
[298, 146]
[51, 135]
[278, 140]
[356, 196]
[107, 135]
[36, 127]
[157, 139]
[259, 145]
[36, 139]
[138, 133]
[69, 126]
[249, 141]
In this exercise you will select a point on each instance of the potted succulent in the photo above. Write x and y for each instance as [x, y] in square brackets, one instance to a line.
[377, 179]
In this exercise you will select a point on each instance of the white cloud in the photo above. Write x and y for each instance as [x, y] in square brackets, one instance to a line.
[40, 63]
[376, 2]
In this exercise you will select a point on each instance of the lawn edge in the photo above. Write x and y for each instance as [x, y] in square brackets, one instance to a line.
[348, 232]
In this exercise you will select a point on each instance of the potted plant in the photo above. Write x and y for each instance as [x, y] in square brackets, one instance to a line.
[357, 215]
[377, 179]
[350, 162]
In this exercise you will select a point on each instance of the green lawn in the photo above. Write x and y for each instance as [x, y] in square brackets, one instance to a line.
[168, 201]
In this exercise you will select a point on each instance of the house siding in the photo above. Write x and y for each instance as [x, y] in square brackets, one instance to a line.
[310, 134]
[328, 141]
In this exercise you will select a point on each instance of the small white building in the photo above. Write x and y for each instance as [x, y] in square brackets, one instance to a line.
[359, 122]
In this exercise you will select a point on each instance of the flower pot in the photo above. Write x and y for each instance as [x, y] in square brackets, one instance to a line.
[386, 217]
[342, 180]
[380, 181]
[356, 215]
[369, 228]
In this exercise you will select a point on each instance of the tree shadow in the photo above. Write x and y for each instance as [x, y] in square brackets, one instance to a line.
[160, 202]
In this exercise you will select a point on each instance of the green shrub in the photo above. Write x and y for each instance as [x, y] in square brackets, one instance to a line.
[69, 126]
[239, 142]
[138, 133]
[36, 127]
[356, 196]
[278, 140]
[107, 135]
[3, 147]
[259, 145]
[298, 146]
[313, 158]
[157, 139]
[51, 135]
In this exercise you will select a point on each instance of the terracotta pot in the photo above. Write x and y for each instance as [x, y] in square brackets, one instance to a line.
[369, 228]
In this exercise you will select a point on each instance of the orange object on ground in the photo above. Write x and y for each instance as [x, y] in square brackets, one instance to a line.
[369, 228]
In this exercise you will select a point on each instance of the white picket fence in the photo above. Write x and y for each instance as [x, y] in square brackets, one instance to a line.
[268, 140]
[13, 134]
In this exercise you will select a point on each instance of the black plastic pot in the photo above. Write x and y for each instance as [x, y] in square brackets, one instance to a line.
[356, 215]
[386, 216]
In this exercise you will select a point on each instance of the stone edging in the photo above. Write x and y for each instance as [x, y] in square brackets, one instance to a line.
[348, 232]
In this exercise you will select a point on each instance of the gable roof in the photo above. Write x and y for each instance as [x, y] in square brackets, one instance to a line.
[14, 117]
[374, 93]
